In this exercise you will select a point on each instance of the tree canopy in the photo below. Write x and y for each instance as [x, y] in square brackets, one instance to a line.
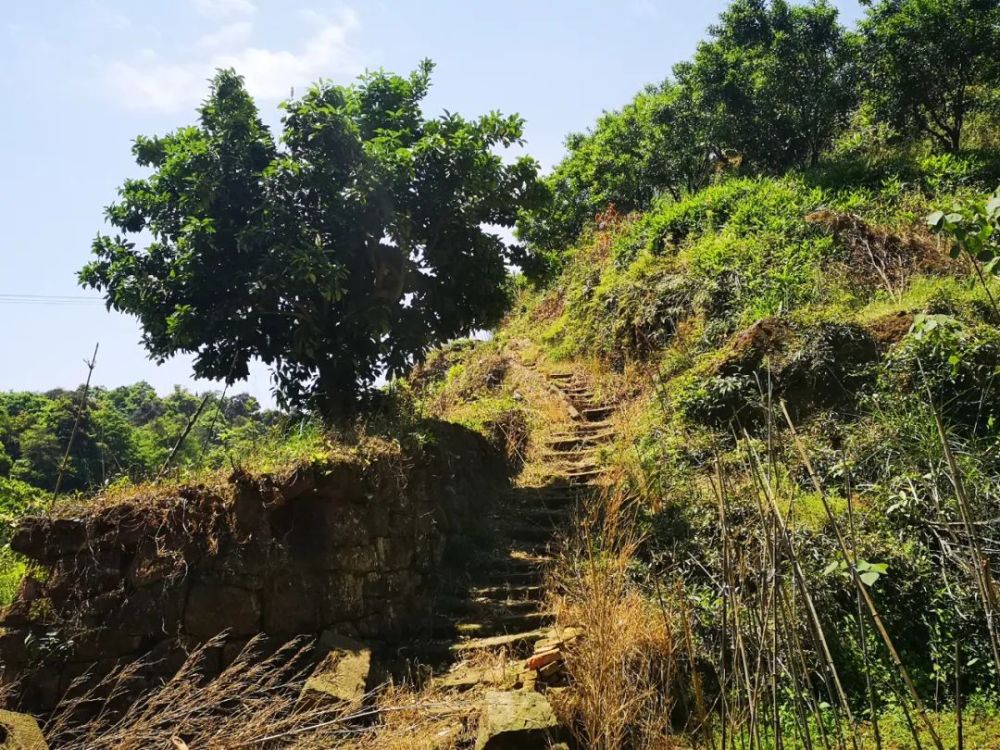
[931, 63]
[774, 82]
[341, 252]
[631, 156]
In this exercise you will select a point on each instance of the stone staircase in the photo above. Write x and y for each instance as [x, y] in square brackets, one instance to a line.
[499, 607]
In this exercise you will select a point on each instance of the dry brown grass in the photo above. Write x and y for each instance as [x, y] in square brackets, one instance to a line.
[405, 719]
[254, 703]
[626, 670]
[892, 257]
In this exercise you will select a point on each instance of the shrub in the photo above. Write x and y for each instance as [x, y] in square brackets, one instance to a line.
[957, 364]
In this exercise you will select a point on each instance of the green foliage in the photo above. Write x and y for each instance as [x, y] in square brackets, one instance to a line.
[779, 87]
[124, 432]
[931, 64]
[734, 252]
[632, 156]
[775, 82]
[956, 364]
[974, 225]
[11, 572]
[342, 253]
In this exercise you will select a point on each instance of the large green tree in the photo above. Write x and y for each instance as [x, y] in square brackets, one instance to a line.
[344, 251]
[931, 64]
[774, 82]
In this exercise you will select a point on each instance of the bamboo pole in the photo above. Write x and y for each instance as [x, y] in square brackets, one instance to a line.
[862, 588]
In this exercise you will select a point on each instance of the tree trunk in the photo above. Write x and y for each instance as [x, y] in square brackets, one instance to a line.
[956, 139]
[337, 387]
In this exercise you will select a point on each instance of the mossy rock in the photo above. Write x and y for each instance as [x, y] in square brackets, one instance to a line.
[20, 732]
[343, 673]
[516, 720]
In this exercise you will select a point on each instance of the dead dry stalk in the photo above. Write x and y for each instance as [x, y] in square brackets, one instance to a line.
[624, 672]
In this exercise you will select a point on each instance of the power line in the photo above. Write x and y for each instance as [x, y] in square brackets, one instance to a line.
[47, 299]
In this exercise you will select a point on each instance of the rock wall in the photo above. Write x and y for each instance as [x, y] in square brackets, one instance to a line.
[352, 544]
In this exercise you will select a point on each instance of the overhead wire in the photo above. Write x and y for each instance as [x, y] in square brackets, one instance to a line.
[47, 299]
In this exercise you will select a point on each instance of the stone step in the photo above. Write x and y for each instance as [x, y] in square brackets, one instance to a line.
[525, 559]
[543, 491]
[485, 607]
[595, 431]
[578, 428]
[597, 413]
[571, 452]
[519, 643]
[545, 515]
[485, 627]
[583, 437]
[567, 506]
[518, 578]
[570, 466]
[465, 676]
[580, 478]
[508, 592]
[562, 376]
[526, 532]
[564, 500]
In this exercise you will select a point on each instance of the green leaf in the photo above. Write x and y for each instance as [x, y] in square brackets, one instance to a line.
[869, 578]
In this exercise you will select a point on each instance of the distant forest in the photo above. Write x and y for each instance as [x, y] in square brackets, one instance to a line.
[126, 432]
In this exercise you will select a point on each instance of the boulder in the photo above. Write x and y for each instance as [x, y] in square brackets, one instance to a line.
[342, 675]
[20, 732]
[519, 720]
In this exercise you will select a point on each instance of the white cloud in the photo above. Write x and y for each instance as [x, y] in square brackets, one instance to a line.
[224, 8]
[151, 82]
[227, 37]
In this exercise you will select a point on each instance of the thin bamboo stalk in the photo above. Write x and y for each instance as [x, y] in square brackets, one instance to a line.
[862, 588]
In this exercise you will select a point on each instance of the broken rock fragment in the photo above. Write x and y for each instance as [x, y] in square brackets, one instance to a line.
[516, 720]
[343, 673]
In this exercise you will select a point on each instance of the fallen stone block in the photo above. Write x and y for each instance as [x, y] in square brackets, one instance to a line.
[342, 675]
[540, 659]
[465, 677]
[20, 732]
[520, 720]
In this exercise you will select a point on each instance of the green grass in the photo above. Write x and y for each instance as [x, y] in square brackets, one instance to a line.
[12, 569]
[981, 730]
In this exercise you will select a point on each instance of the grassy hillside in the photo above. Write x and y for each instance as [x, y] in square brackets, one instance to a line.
[824, 295]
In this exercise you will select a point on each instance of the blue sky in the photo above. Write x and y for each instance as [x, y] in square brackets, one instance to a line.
[81, 78]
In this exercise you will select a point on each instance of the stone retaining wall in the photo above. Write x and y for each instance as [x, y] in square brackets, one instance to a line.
[353, 545]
